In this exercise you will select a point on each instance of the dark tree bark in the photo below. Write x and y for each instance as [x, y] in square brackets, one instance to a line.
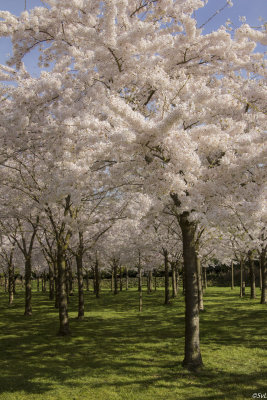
[115, 269]
[79, 264]
[232, 275]
[10, 282]
[51, 282]
[43, 282]
[174, 280]
[56, 285]
[149, 281]
[127, 278]
[199, 284]
[140, 283]
[6, 282]
[177, 278]
[252, 275]
[38, 283]
[87, 281]
[120, 278]
[97, 279]
[205, 278]
[166, 277]
[192, 359]
[64, 329]
[112, 279]
[155, 280]
[241, 278]
[28, 287]
[263, 266]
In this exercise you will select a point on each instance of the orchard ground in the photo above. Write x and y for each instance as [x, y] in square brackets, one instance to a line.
[118, 353]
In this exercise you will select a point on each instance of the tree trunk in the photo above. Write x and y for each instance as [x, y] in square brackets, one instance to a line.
[5, 275]
[192, 359]
[166, 276]
[120, 278]
[241, 278]
[44, 282]
[87, 281]
[263, 266]
[79, 264]
[232, 274]
[140, 288]
[63, 298]
[28, 287]
[199, 284]
[51, 282]
[252, 275]
[97, 278]
[56, 285]
[183, 282]
[205, 278]
[174, 280]
[155, 281]
[115, 267]
[38, 283]
[127, 278]
[10, 283]
[70, 276]
[112, 279]
[260, 277]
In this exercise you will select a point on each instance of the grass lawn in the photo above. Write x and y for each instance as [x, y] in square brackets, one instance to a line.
[119, 353]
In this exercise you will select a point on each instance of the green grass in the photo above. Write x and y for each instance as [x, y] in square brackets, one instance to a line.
[119, 353]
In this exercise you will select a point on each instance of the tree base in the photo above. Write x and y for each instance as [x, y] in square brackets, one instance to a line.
[193, 366]
[63, 333]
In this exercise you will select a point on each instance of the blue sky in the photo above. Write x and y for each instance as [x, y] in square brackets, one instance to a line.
[251, 9]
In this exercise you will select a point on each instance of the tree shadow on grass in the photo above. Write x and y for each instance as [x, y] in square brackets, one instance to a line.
[117, 344]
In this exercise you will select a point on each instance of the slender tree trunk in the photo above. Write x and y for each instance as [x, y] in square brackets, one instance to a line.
[166, 276]
[120, 278]
[241, 278]
[115, 267]
[199, 284]
[10, 283]
[140, 287]
[263, 266]
[192, 359]
[252, 275]
[155, 281]
[51, 282]
[205, 278]
[97, 279]
[56, 285]
[70, 277]
[38, 283]
[44, 282]
[232, 275]
[260, 277]
[79, 264]
[174, 280]
[63, 298]
[127, 278]
[28, 286]
[87, 281]
[14, 283]
[183, 282]
[112, 279]
[5, 275]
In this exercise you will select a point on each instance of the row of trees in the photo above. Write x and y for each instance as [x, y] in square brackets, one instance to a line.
[142, 143]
